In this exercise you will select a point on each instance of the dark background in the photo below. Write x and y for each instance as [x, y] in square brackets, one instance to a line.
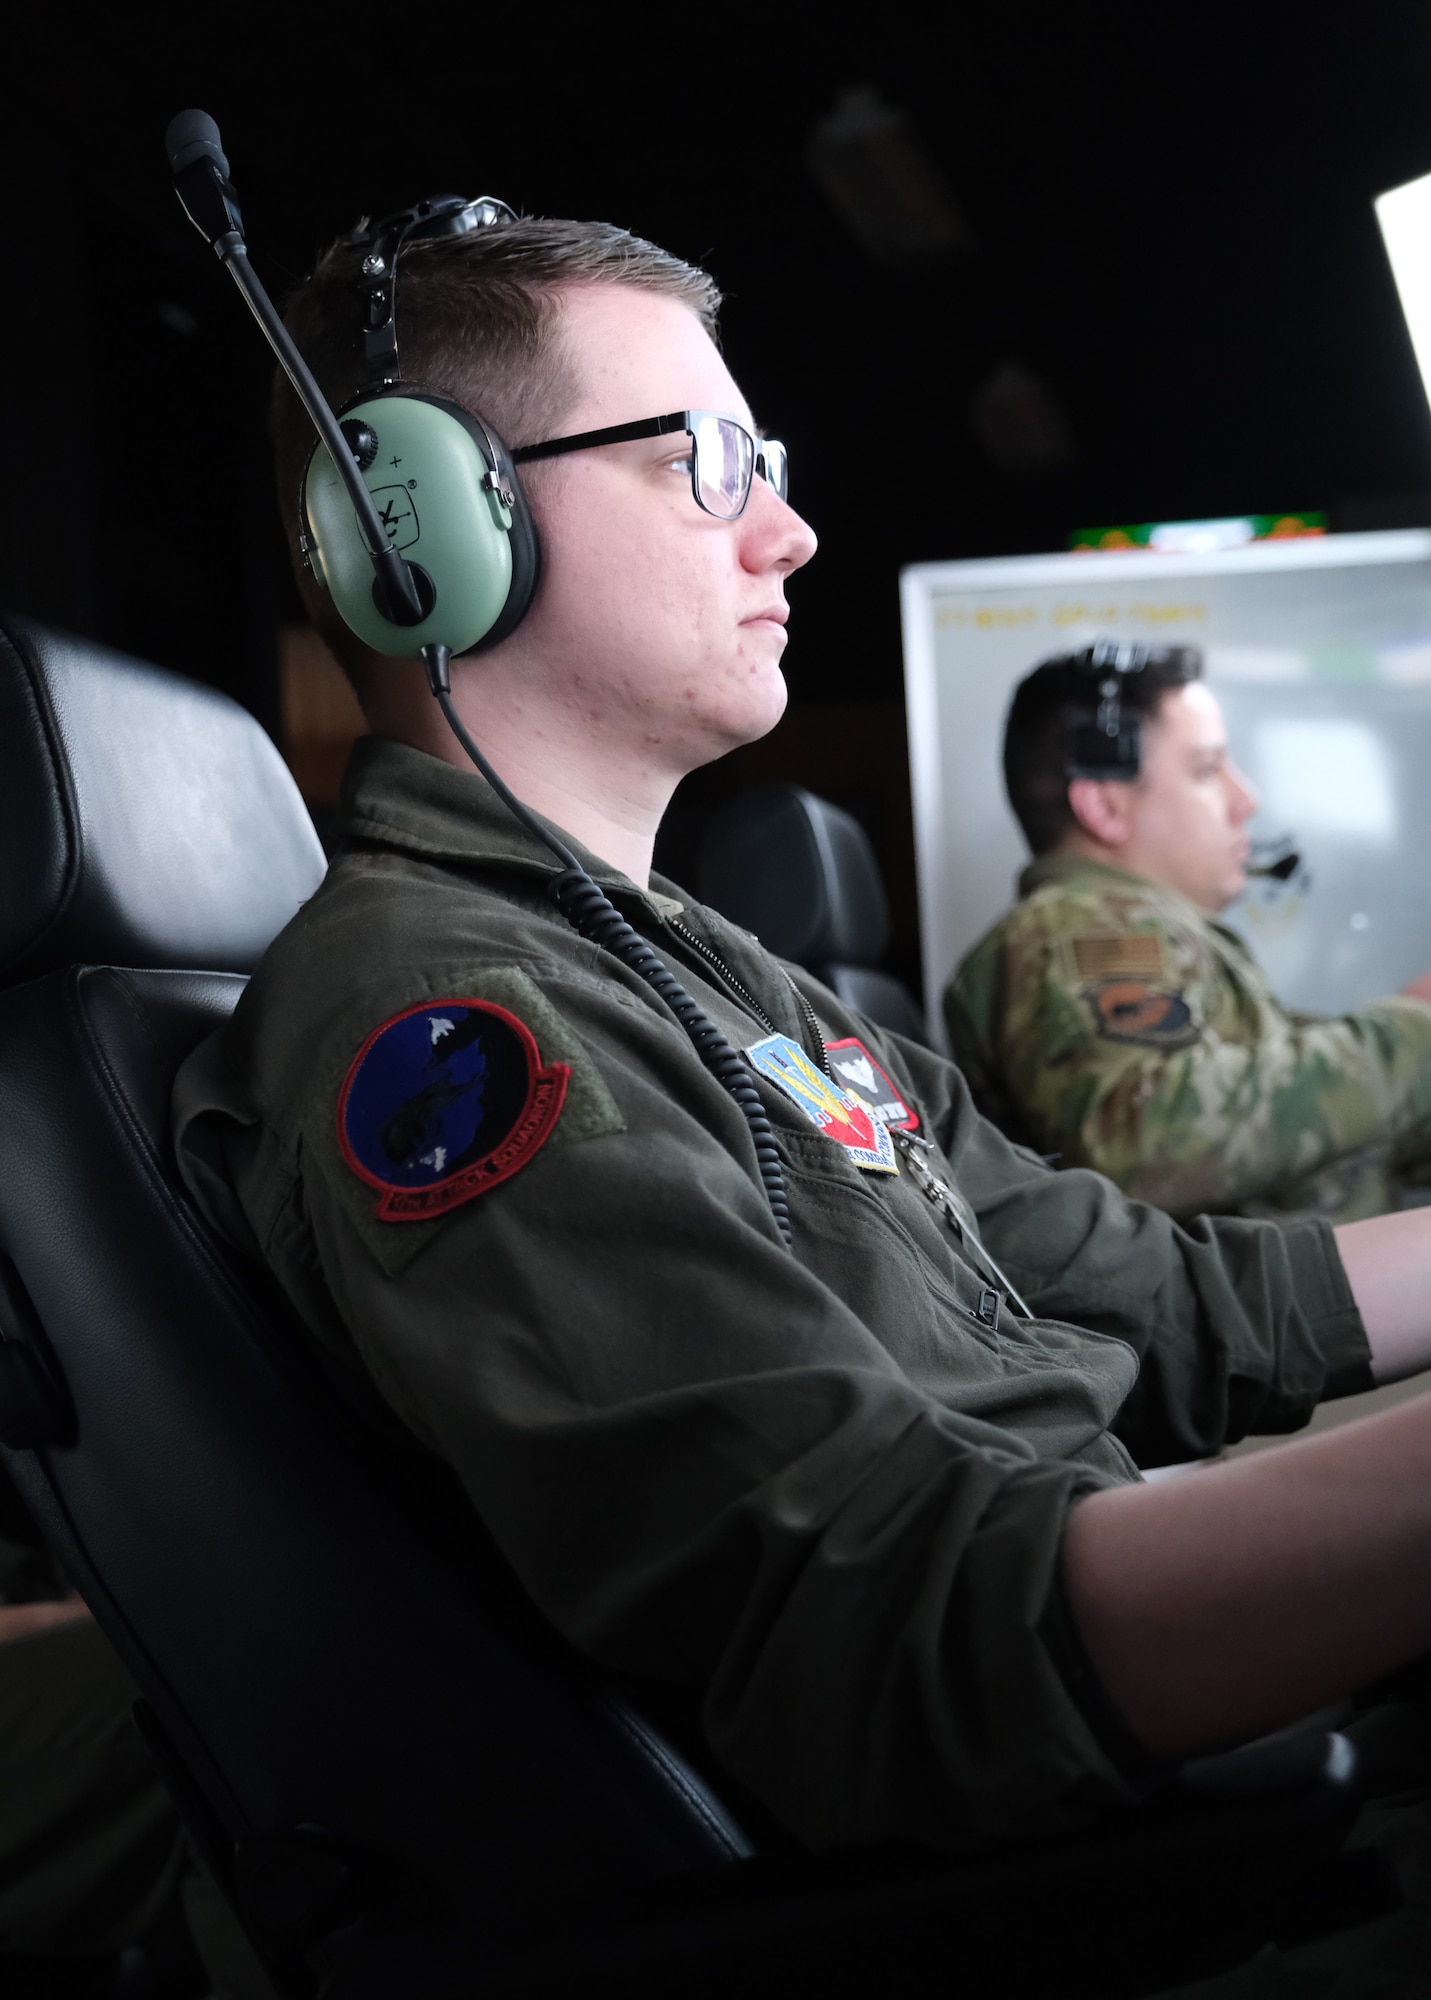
[1161, 219]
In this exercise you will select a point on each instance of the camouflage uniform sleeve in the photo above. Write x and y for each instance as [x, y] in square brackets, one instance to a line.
[973, 1003]
[1160, 1058]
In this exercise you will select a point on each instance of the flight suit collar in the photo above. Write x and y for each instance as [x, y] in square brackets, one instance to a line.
[400, 798]
[403, 798]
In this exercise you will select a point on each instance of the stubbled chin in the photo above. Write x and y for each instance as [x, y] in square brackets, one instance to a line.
[752, 712]
[778, 700]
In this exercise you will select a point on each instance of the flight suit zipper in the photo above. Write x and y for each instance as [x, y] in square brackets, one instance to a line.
[914, 1149]
[808, 1015]
[814, 1047]
[727, 977]
[957, 1213]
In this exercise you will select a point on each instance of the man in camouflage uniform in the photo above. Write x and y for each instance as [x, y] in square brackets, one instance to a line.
[1110, 1020]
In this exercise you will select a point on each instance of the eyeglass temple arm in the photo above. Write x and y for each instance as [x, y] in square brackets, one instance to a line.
[648, 427]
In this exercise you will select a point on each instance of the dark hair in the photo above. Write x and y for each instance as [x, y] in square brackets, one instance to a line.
[1057, 695]
[478, 321]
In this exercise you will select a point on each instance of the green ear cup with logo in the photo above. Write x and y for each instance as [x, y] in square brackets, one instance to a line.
[428, 478]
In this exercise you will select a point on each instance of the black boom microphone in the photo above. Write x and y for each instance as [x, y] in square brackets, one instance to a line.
[201, 180]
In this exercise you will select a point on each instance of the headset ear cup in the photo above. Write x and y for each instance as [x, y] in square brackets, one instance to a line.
[428, 464]
[522, 531]
[428, 469]
[526, 553]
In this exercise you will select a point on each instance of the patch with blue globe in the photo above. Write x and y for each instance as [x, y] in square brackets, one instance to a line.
[443, 1101]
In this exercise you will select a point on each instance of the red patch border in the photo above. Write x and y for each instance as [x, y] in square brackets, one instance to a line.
[546, 1093]
[909, 1124]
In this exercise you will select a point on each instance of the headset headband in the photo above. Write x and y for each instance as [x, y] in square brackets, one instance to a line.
[437, 215]
[1107, 745]
[1112, 657]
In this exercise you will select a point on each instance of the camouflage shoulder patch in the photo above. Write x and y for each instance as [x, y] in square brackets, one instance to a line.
[1135, 1010]
[1120, 955]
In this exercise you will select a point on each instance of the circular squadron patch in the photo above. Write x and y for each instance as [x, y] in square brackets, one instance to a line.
[444, 1101]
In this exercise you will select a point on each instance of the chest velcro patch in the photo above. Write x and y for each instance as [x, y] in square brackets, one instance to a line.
[1127, 955]
[861, 1076]
[1134, 1010]
[443, 1101]
[847, 1120]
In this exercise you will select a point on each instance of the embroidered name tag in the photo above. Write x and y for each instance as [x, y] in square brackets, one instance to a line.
[845, 1119]
[863, 1077]
[444, 1101]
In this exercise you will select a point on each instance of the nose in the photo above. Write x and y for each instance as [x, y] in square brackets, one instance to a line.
[773, 535]
[1242, 794]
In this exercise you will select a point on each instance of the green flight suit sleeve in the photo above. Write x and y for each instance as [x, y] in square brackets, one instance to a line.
[1193, 1089]
[1239, 1326]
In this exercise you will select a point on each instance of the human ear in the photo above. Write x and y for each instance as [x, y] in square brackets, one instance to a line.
[1102, 808]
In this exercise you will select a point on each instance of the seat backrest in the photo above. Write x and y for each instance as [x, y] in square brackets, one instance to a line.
[801, 874]
[333, 1652]
[147, 820]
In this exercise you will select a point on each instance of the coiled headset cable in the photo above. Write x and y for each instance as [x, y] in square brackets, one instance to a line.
[589, 910]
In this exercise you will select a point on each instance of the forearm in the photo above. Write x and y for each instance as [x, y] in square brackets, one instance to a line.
[1226, 1603]
[1388, 1265]
[17, 1621]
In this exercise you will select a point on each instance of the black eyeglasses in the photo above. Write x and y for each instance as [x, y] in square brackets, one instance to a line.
[724, 456]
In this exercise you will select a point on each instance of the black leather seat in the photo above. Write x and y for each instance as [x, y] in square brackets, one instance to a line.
[305, 1620]
[403, 1780]
[801, 874]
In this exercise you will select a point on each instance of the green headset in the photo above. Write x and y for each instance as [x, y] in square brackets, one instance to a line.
[412, 515]
[442, 480]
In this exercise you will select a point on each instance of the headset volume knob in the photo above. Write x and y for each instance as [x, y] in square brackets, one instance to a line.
[362, 442]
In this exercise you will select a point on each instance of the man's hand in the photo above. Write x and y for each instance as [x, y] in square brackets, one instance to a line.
[18, 1620]
[1252, 1592]
[1419, 989]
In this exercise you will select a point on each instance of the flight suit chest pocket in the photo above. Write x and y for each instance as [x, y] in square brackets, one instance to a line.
[893, 1261]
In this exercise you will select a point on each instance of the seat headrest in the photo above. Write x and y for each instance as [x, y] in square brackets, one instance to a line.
[144, 820]
[800, 873]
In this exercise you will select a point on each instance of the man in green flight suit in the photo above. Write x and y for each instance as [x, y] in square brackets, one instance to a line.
[1110, 1020]
[868, 1506]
